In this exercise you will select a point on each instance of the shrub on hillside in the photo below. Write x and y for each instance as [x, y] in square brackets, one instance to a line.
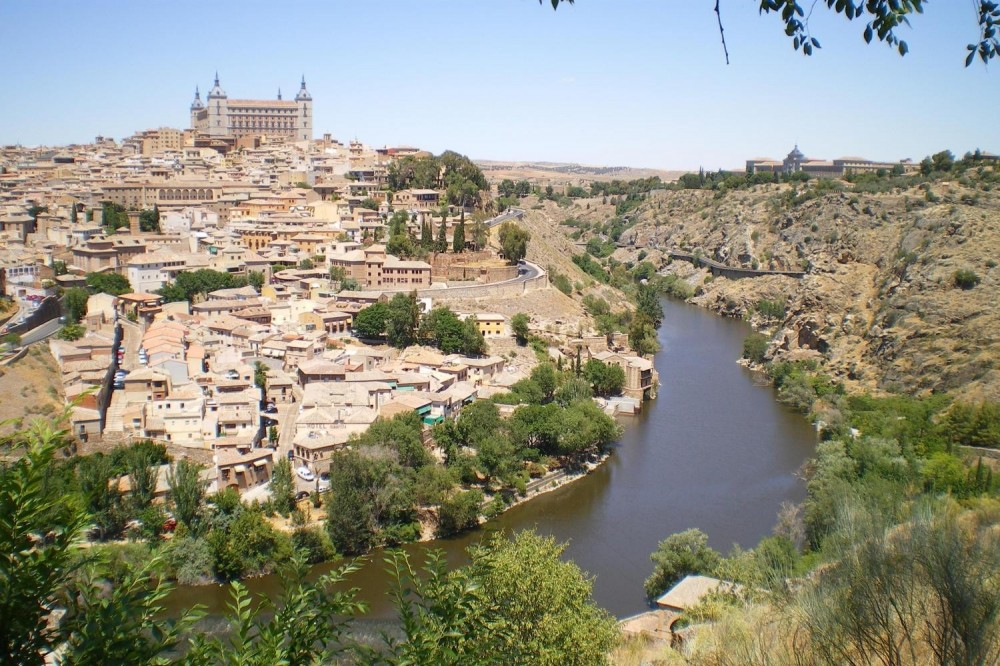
[966, 279]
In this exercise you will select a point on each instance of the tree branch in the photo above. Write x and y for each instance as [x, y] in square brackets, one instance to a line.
[722, 33]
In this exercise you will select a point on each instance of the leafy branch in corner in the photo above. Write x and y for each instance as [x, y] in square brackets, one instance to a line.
[882, 18]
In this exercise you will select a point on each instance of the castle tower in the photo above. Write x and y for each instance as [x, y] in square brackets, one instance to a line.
[218, 111]
[197, 106]
[304, 125]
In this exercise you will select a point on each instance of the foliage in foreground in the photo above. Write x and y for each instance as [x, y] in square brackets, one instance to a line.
[480, 614]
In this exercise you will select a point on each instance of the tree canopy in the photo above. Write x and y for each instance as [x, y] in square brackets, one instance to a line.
[202, 281]
[514, 241]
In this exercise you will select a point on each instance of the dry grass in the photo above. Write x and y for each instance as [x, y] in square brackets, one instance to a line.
[30, 388]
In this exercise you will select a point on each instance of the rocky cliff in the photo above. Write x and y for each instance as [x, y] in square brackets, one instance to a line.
[880, 306]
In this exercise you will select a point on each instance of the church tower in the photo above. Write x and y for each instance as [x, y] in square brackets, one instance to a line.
[218, 111]
[304, 125]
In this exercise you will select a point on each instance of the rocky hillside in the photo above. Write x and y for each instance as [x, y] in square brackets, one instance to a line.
[880, 305]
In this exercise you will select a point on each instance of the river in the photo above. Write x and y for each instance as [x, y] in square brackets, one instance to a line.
[714, 451]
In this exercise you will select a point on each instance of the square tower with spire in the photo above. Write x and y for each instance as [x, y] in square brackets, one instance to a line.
[222, 117]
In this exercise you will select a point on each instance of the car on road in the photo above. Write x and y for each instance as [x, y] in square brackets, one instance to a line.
[271, 408]
[305, 474]
[301, 495]
[324, 483]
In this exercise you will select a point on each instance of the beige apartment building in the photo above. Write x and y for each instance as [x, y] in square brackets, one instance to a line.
[156, 141]
[220, 116]
[374, 269]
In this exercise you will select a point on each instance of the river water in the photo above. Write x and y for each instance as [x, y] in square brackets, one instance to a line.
[714, 451]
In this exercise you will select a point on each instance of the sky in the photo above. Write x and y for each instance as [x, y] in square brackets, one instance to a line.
[640, 83]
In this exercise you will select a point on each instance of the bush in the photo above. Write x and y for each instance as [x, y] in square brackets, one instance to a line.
[459, 513]
[562, 283]
[966, 279]
[755, 347]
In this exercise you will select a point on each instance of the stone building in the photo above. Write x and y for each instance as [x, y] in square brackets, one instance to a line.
[236, 118]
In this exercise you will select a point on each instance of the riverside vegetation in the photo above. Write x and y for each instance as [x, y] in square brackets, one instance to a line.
[893, 556]
[70, 604]
[380, 486]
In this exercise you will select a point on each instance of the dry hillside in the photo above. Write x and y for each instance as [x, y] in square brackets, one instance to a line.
[879, 306]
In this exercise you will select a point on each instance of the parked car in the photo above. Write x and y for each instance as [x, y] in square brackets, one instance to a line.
[301, 495]
[271, 408]
[170, 524]
[324, 483]
[305, 474]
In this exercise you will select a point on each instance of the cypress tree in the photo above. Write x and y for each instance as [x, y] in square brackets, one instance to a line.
[458, 236]
[442, 238]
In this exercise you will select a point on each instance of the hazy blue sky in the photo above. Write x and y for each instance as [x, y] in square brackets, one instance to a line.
[631, 82]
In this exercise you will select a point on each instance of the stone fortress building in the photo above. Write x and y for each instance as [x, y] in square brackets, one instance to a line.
[222, 117]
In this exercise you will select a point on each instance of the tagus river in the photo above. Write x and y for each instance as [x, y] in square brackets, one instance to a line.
[714, 451]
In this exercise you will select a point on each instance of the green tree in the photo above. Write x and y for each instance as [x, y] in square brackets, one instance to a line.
[642, 335]
[441, 244]
[677, 556]
[260, 376]
[256, 280]
[519, 325]
[755, 347]
[71, 332]
[114, 217]
[149, 220]
[283, 487]
[189, 284]
[402, 320]
[306, 264]
[371, 502]
[109, 283]
[552, 620]
[370, 322]
[459, 512]
[73, 214]
[11, 340]
[458, 236]
[403, 434]
[34, 571]
[141, 466]
[477, 422]
[59, 267]
[647, 303]
[308, 626]
[75, 303]
[572, 390]
[514, 242]
[99, 489]
[442, 328]
[544, 375]
[187, 492]
[605, 378]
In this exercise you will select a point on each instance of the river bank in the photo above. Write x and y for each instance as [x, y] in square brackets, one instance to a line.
[714, 450]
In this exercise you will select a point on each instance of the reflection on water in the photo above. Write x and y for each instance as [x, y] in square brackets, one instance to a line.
[713, 451]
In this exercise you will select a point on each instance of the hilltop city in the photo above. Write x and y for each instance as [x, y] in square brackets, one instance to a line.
[225, 290]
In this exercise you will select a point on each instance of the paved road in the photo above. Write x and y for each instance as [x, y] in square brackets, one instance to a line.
[41, 332]
[512, 214]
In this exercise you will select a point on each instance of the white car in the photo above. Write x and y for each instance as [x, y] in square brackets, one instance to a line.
[305, 474]
[324, 483]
